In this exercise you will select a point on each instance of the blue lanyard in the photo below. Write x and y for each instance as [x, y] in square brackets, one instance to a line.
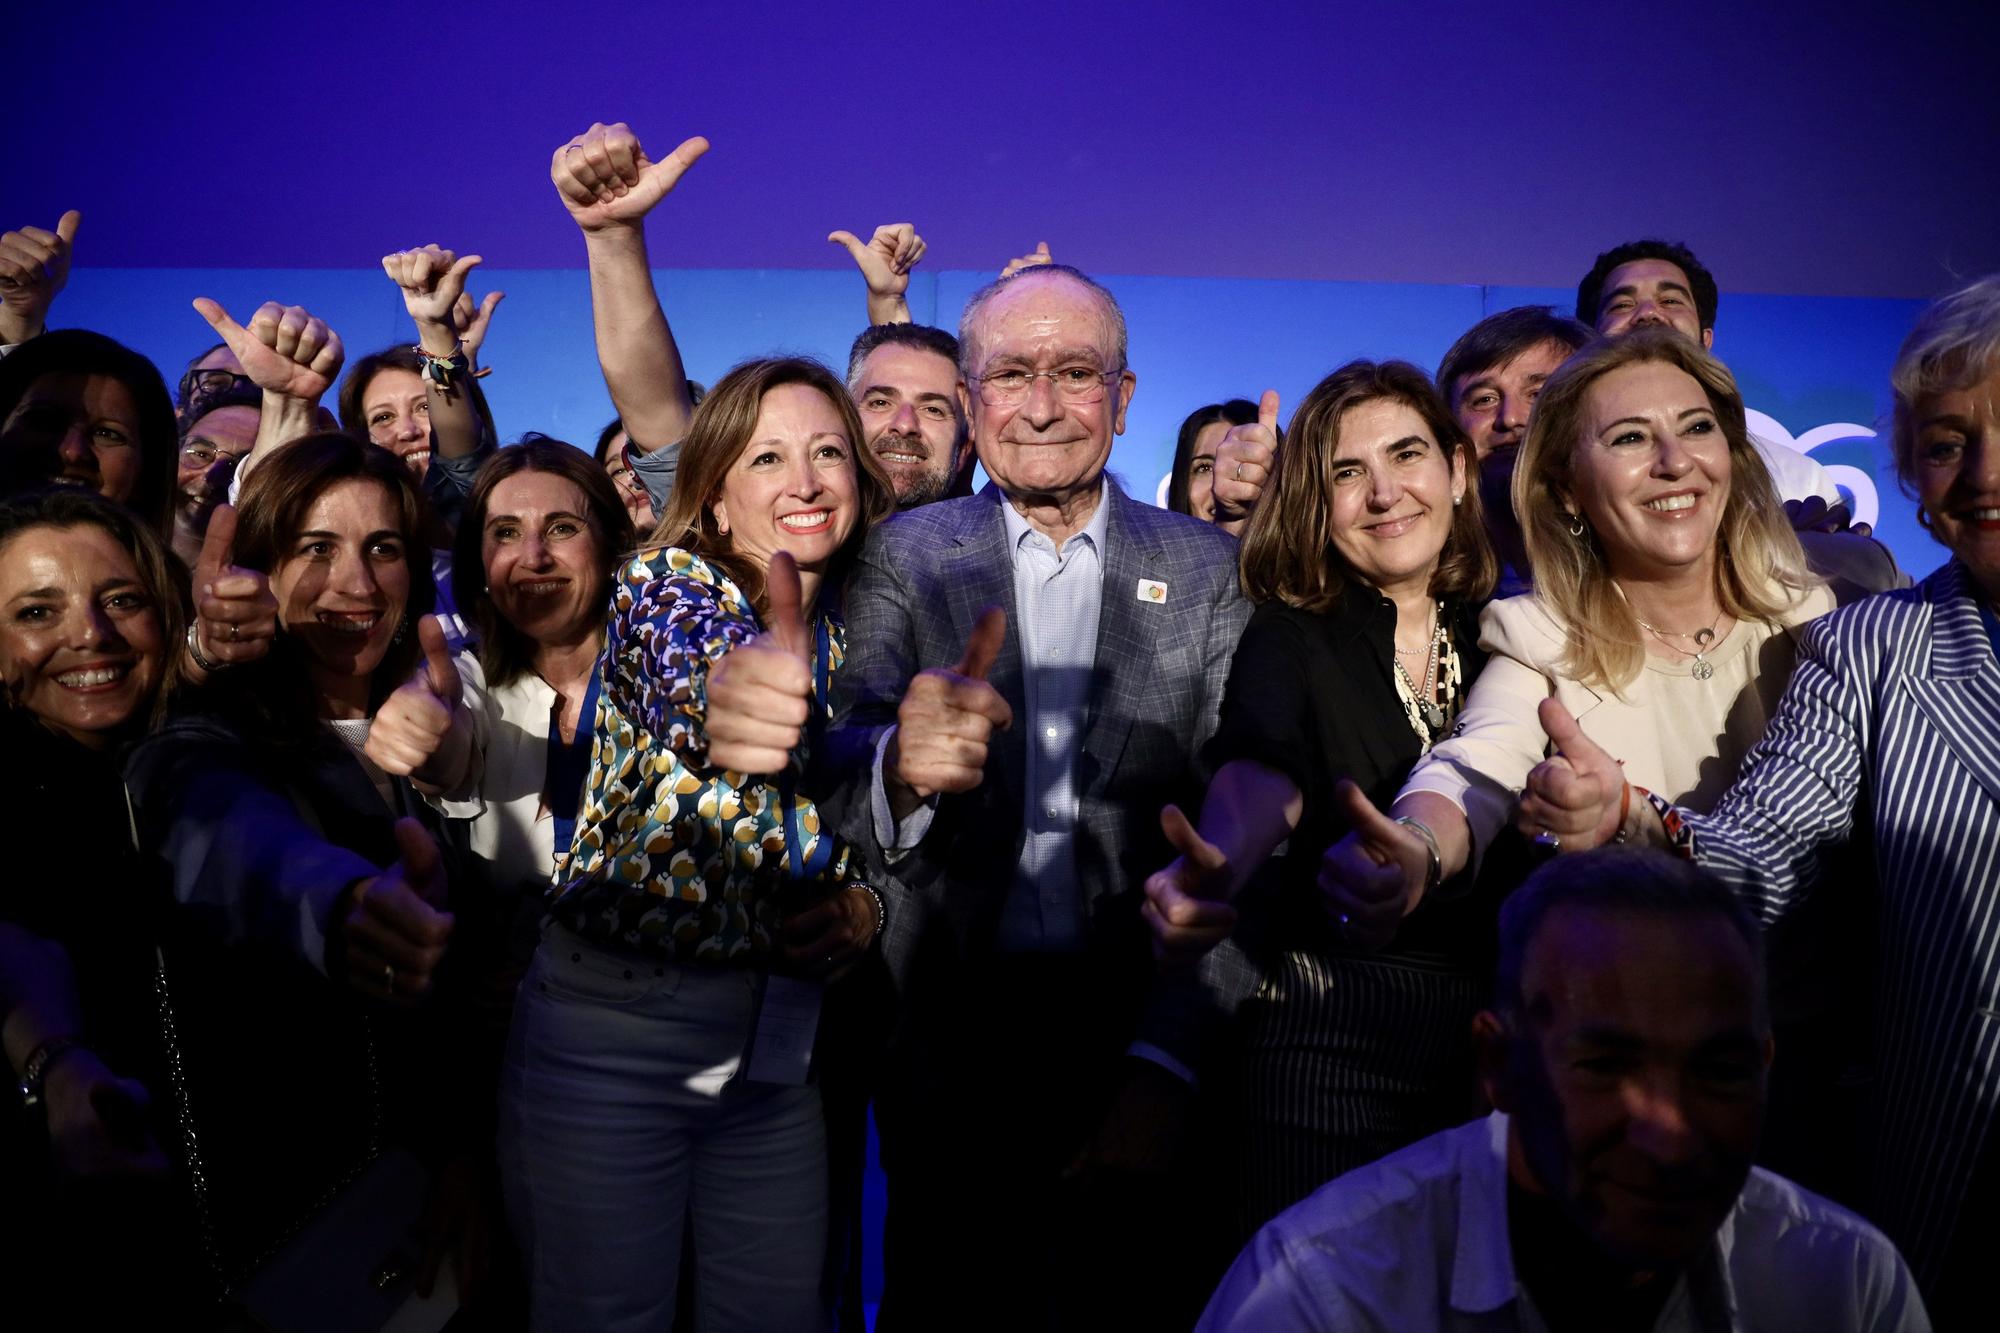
[568, 767]
[798, 863]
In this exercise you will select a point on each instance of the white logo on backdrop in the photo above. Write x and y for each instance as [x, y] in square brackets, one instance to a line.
[1867, 505]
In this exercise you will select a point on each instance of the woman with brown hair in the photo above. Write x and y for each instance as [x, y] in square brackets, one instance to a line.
[1368, 561]
[697, 903]
[282, 800]
[1669, 591]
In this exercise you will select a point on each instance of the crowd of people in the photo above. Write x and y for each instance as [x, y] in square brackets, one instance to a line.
[1499, 849]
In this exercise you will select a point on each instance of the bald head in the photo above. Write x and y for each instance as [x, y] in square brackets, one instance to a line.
[993, 301]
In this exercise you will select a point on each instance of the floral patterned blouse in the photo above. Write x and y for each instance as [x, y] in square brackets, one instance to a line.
[670, 855]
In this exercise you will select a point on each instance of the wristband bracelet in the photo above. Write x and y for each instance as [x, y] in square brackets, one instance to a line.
[443, 371]
[1680, 834]
[881, 914]
[1624, 813]
[1423, 830]
[35, 1068]
[194, 651]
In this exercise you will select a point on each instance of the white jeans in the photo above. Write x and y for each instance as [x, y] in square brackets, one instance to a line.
[618, 1108]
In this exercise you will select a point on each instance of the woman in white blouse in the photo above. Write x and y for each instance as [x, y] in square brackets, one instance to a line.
[1668, 591]
[542, 531]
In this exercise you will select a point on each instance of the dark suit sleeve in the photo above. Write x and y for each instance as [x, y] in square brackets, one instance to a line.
[868, 688]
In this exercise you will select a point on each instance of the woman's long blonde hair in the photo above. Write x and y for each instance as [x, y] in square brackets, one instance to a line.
[1761, 571]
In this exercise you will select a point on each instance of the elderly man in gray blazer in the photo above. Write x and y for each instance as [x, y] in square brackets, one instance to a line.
[1010, 770]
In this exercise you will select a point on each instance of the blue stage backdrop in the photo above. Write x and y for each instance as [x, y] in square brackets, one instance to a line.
[1814, 370]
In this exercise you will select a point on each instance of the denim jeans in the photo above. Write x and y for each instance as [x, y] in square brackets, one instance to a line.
[621, 1113]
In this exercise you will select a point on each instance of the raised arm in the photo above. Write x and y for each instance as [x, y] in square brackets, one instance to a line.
[289, 354]
[609, 185]
[1250, 808]
[885, 263]
[34, 265]
[432, 281]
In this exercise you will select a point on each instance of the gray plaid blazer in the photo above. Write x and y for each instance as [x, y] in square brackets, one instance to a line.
[910, 604]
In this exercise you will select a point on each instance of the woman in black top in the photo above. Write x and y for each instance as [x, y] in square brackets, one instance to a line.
[1368, 560]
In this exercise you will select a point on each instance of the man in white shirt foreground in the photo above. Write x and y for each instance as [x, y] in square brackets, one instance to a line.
[1612, 1189]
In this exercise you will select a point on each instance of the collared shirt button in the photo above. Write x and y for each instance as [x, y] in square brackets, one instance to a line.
[1052, 812]
[1051, 732]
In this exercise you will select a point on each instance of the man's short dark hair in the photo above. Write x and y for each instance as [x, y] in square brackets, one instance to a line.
[1612, 879]
[1498, 339]
[1590, 292]
[923, 337]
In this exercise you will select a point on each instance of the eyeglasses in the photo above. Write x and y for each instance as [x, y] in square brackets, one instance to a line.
[1074, 384]
[209, 383]
[201, 454]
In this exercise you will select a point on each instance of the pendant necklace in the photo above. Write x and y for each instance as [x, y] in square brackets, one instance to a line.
[1427, 707]
[1701, 638]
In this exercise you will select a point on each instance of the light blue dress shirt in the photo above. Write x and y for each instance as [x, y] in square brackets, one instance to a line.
[1057, 597]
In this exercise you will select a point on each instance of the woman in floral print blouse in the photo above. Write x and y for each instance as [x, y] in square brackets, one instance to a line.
[698, 906]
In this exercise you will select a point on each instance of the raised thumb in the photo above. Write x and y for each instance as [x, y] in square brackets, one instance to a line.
[218, 544]
[226, 328]
[418, 860]
[1568, 737]
[1184, 839]
[982, 649]
[784, 616]
[1362, 816]
[441, 671]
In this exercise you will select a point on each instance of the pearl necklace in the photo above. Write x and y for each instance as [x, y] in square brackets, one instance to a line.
[1427, 706]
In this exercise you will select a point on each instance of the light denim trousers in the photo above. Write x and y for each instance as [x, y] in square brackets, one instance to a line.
[621, 1110]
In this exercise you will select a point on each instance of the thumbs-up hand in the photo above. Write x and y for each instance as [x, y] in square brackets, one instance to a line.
[1575, 794]
[285, 350]
[1243, 462]
[886, 260]
[1036, 259]
[34, 265]
[1187, 903]
[947, 717]
[236, 616]
[413, 730]
[472, 321]
[393, 928]
[606, 180]
[432, 280]
[1371, 878]
[760, 693]
[98, 1122]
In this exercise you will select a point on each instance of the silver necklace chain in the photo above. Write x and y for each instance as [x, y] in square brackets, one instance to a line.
[1427, 705]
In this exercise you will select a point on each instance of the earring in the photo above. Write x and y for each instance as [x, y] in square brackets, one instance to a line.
[1576, 525]
[402, 629]
[1923, 519]
[1457, 500]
